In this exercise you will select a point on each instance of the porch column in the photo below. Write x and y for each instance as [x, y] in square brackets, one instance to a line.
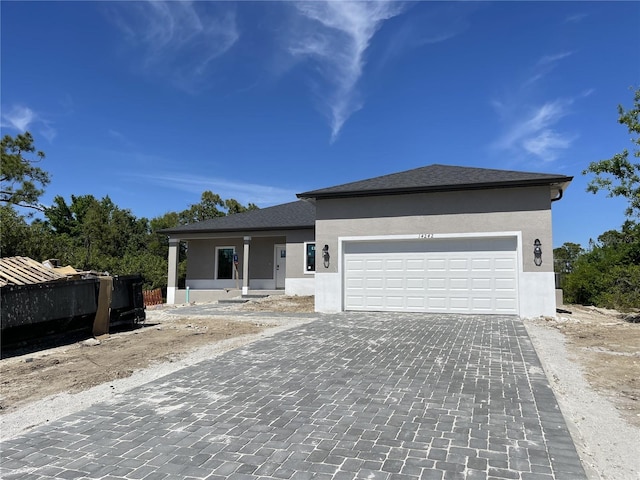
[245, 267]
[172, 277]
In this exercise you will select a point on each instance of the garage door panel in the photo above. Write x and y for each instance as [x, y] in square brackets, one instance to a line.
[352, 283]
[458, 264]
[481, 264]
[354, 263]
[415, 284]
[459, 302]
[374, 282]
[394, 265]
[373, 300]
[508, 284]
[436, 265]
[416, 302]
[374, 265]
[459, 283]
[504, 264]
[470, 276]
[415, 264]
[394, 301]
[505, 305]
[481, 303]
[484, 284]
[394, 283]
[355, 301]
[436, 303]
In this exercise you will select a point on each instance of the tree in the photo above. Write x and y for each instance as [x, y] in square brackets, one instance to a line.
[211, 206]
[14, 233]
[618, 174]
[233, 206]
[99, 230]
[206, 209]
[21, 182]
[564, 257]
[608, 273]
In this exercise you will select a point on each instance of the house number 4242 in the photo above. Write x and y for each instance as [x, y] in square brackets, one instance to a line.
[425, 235]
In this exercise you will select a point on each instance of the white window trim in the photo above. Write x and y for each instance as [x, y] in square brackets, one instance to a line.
[215, 270]
[304, 262]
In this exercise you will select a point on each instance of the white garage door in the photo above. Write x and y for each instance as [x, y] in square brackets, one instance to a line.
[440, 276]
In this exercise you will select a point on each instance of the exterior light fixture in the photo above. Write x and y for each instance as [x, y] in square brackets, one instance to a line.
[325, 256]
[537, 252]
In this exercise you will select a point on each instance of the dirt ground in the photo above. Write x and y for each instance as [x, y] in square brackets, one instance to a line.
[164, 338]
[606, 347]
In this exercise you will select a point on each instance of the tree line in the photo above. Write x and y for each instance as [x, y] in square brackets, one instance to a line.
[86, 232]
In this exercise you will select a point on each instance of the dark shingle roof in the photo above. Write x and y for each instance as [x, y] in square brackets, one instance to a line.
[436, 178]
[288, 216]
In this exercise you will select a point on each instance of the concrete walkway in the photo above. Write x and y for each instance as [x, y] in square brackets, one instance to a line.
[366, 396]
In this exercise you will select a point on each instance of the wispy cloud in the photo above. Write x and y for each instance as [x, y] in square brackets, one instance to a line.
[336, 36]
[261, 195]
[120, 138]
[576, 18]
[18, 117]
[553, 59]
[22, 119]
[535, 132]
[179, 40]
[532, 127]
[545, 65]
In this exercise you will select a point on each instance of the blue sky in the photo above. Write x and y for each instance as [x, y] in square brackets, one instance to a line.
[152, 103]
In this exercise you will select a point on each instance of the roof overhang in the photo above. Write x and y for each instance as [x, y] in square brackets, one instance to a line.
[561, 182]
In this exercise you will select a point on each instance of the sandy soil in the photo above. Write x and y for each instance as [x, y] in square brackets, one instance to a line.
[591, 356]
[607, 349]
[592, 359]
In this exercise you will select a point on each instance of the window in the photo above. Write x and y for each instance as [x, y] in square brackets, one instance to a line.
[224, 263]
[310, 257]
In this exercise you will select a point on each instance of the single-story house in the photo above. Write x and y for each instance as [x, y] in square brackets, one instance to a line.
[442, 239]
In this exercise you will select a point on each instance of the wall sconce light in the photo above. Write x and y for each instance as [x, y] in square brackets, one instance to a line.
[325, 256]
[537, 252]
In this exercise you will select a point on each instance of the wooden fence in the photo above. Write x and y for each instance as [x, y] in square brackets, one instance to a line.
[152, 297]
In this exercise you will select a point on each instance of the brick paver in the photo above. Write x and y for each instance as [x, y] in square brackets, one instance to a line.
[349, 396]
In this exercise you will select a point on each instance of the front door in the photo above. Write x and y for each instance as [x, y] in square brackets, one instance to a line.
[281, 265]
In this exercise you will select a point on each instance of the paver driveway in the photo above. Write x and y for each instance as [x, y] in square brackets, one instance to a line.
[371, 396]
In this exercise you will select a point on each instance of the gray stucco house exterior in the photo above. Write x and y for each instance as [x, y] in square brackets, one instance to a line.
[441, 239]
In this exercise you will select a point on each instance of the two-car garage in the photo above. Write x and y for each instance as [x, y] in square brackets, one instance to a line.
[438, 275]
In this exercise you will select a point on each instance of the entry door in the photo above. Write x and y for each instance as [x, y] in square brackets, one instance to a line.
[281, 265]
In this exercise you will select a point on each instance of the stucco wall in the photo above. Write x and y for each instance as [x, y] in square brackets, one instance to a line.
[296, 253]
[201, 256]
[525, 210]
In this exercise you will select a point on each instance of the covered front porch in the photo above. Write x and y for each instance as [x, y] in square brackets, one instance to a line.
[264, 250]
[221, 267]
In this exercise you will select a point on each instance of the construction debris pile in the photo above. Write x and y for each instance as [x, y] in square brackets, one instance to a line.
[43, 298]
